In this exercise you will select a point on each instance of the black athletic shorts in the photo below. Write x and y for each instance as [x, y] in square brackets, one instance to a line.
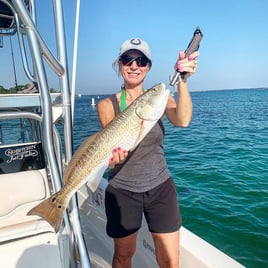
[124, 210]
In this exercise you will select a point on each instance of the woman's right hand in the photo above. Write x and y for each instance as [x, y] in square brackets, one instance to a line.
[187, 65]
[119, 156]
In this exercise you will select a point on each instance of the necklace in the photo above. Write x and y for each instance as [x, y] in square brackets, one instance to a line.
[123, 99]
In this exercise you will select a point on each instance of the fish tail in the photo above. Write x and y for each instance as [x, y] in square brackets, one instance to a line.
[51, 210]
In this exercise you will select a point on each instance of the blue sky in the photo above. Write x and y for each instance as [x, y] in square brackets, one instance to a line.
[233, 52]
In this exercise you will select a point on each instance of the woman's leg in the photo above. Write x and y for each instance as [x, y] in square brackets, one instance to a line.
[124, 217]
[164, 220]
[124, 249]
[167, 249]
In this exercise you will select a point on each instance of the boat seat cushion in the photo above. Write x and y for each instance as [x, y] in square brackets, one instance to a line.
[20, 192]
[18, 189]
[25, 229]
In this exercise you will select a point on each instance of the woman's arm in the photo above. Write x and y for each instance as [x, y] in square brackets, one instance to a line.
[180, 113]
[105, 112]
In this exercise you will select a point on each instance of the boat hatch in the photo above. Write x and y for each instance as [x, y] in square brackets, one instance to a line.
[20, 145]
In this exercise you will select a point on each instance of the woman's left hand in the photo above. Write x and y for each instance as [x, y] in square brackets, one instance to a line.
[188, 64]
[119, 156]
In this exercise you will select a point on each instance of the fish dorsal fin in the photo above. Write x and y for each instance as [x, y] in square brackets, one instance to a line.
[77, 155]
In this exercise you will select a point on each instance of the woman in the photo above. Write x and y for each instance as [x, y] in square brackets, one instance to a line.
[139, 181]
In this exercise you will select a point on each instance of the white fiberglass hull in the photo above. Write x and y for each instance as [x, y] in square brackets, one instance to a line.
[194, 251]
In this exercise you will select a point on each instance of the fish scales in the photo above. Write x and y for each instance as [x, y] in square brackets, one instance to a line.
[91, 159]
[99, 149]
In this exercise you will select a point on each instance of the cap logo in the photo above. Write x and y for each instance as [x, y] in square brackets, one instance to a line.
[135, 41]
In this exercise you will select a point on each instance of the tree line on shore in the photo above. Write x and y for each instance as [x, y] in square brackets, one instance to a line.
[19, 89]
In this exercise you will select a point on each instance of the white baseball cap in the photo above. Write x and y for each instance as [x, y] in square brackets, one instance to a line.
[137, 44]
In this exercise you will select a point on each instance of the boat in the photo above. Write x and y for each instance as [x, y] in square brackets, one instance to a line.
[35, 149]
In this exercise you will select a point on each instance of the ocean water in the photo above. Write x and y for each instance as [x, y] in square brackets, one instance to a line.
[219, 165]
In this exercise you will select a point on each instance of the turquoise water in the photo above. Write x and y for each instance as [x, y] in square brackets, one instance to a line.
[219, 165]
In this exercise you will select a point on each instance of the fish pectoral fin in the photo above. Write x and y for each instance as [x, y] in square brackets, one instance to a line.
[95, 177]
[139, 138]
[77, 155]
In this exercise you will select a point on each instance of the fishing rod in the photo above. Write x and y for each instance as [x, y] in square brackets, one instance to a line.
[192, 47]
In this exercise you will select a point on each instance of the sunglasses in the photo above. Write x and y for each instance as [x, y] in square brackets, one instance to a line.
[141, 61]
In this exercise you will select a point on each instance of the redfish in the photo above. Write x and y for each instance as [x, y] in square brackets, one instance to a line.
[91, 159]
